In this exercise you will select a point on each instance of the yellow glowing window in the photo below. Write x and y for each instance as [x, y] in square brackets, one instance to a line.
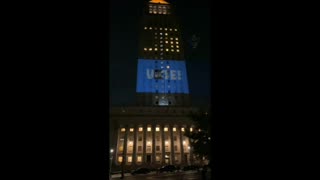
[160, 28]
[167, 142]
[172, 46]
[139, 158]
[157, 129]
[120, 148]
[174, 129]
[123, 129]
[164, 12]
[129, 159]
[182, 129]
[166, 34]
[120, 159]
[177, 46]
[131, 129]
[177, 42]
[178, 50]
[176, 38]
[140, 129]
[154, 12]
[171, 42]
[191, 129]
[166, 42]
[145, 49]
[150, 27]
[175, 30]
[171, 38]
[184, 142]
[156, 49]
[160, 33]
[165, 29]
[172, 50]
[150, 49]
[170, 29]
[167, 49]
[149, 129]
[165, 129]
[145, 28]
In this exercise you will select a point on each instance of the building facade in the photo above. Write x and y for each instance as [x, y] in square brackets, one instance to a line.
[151, 134]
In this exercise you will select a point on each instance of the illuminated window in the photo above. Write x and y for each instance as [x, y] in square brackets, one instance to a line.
[120, 159]
[176, 38]
[178, 50]
[164, 12]
[175, 30]
[154, 12]
[139, 159]
[156, 49]
[177, 46]
[160, 28]
[149, 129]
[129, 159]
[140, 129]
[158, 158]
[166, 34]
[182, 129]
[131, 129]
[172, 50]
[157, 129]
[161, 37]
[191, 129]
[160, 33]
[123, 129]
[177, 42]
[167, 49]
[161, 48]
[165, 29]
[184, 142]
[167, 142]
[150, 27]
[172, 46]
[170, 29]
[168, 67]
[171, 38]
[145, 28]
[145, 49]
[166, 42]
[161, 45]
[150, 49]
[174, 129]
[161, 42]
[165, 129]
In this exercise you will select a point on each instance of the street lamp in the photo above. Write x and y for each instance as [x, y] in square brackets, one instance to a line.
[111, 156]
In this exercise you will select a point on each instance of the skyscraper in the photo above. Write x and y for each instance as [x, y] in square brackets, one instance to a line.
[151, 134]
[162, 76]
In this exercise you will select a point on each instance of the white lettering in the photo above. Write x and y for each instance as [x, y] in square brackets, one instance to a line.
[179, 75]
[173, 74]
[150, 73]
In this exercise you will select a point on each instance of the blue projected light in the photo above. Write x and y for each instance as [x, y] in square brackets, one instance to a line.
[162, 76]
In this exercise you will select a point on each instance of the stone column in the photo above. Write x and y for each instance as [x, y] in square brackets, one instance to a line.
[153, 129]
[181, 145]
[144, 145]
[134, 155]
[172, 154]
[124, 154]
[162, 144]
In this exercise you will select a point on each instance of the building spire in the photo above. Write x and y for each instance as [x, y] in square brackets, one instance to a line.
[159, 1]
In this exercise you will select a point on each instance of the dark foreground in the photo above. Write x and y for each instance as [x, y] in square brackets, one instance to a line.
[168, 176]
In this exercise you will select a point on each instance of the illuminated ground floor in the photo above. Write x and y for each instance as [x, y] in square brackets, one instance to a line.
[151, 137]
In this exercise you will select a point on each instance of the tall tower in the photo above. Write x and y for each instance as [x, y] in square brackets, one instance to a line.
[162, 76]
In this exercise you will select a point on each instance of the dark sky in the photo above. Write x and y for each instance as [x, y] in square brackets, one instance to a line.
[124, 16]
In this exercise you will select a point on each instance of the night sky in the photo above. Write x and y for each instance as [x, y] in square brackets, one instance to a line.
[125, 15]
